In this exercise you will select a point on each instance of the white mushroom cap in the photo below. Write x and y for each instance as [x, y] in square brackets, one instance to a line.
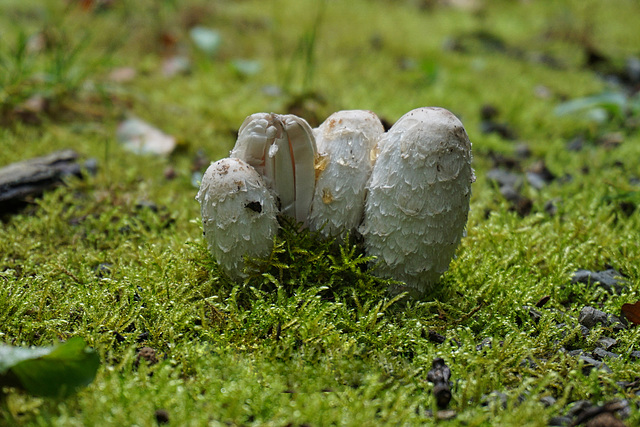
[238, 214]
[282, 149]
[345, 142]
[418, 200]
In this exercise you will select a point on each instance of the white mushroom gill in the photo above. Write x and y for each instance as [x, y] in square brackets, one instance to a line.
[345, 142]
[238, 214]
[282, 149]
[418, 200]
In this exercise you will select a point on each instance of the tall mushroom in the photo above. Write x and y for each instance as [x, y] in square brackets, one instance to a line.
[418, 199]
[238, 214]
[282, 149]
[345, 142]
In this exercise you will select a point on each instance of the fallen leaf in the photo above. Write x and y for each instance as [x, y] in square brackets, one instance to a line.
[142, 138]
[49, 371]
[632, 312]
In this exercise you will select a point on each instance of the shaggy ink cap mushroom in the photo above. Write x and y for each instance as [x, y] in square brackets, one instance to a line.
[239, 214]
[282, 149]
[345, 142]
[418, 197]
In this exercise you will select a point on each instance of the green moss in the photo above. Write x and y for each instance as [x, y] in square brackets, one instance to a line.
[311, 337]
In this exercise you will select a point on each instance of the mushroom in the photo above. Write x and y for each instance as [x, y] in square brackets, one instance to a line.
[345, 142]
[282, 149]
[418, 197]
[238, 214]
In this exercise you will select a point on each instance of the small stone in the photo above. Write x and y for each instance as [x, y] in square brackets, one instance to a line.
[539, 175]
[633, 69]
[435, 337]
[439, 375]
[505, 178]
[495, 398]
[535, 180]
[91, 166]
[608, 279]
[576, 144]
[103, 269]
[533, 313]
[486, 343]
[607, 343]
[578, 407]
[528, 363]
[522, 150]
[169, 173]
[148, 354]
[162, 416]
[590, 317]
[560, 421]
[601, 354]
[145, 204]
[550, 207]
[634, 355]
[547, 401]
[447, 414]
[590, 363]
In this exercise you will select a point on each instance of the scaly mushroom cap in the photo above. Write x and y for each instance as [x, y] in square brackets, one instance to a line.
[345, 142]
[282, 149]
[418, 201]
[238, 214]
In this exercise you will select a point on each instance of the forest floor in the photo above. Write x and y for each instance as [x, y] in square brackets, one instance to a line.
[528, 318]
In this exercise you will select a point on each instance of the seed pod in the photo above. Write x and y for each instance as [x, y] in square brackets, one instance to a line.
[418, 200]
[282, 149]
[238, 214]
[345, 142]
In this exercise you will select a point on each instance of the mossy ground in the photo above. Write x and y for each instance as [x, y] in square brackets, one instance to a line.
[314, 340]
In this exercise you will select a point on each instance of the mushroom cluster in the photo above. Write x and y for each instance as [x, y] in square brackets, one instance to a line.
[406, 190]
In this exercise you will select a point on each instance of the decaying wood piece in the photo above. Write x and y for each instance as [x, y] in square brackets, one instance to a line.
[21, 181]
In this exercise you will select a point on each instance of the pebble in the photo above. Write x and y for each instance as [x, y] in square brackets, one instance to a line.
[560, 421]
[496, 398]
[533, 313]
[590, 363]
[548, 401]
[601, 354]
[486, 343]
[590, 317]
[505, 178]
[607, 279]
[607, 343]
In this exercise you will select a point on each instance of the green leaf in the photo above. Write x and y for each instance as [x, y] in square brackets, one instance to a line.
[49, 371]
[595, 107]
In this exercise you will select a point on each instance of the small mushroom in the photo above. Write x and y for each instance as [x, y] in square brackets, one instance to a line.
[238, 214]
[282, 149]
[345, 142]
[418, 201]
